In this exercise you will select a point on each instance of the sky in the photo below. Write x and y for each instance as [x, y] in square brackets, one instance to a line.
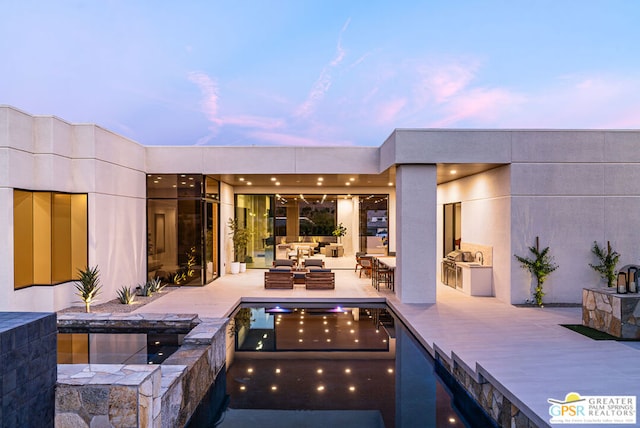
[329, 73]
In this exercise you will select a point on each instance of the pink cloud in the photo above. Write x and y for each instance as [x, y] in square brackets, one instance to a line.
[282, 139]
[209, 89]
[322, 85]
[443, 82]
[479, 104]
[389, 111]
[258, 122]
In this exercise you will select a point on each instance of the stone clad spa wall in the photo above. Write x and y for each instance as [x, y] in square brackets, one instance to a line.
[28, 352]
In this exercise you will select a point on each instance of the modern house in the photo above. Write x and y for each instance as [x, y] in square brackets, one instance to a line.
[75, 195]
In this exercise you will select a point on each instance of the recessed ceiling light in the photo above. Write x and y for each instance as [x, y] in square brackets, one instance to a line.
[159, 178]
[241, 179]
[277, 183]
[183, 175]
[249, 183]
[273, 179]
[453, 171]
[347, 184]
[320, 179]
[155, 181]
[390, 184]
[352, 179]
[319, 183]
[183, 182]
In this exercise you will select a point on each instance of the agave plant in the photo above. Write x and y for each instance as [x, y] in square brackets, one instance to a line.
[126, 295]
[156, 285]
[88, 285]
[144, 289]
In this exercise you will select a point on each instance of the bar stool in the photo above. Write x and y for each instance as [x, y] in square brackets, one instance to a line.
[385, 276]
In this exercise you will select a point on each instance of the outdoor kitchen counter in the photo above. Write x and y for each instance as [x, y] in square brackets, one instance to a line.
[477, 279]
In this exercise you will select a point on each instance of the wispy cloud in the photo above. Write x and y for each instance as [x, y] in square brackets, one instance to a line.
[322, 85]
[287, 139]
[209, 89]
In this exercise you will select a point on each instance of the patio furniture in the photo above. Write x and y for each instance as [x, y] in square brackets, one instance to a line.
[284, 263]
[320, 279]
[278, 279]
[366, 266]
[313, 263]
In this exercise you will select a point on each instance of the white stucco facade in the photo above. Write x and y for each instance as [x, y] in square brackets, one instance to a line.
[570, 188]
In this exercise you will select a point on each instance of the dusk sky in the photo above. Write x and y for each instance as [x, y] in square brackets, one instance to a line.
[305, 73]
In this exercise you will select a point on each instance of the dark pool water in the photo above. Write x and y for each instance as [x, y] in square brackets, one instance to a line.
[322, 365]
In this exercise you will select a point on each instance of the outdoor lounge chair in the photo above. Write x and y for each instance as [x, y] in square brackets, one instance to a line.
[278, 279]
[320, 279]
[313, 263]
[284, 263]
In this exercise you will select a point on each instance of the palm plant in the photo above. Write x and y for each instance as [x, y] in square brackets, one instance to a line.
[539, 265]
[126, 295]
[240, 237]
[608, 262]
[88, 285]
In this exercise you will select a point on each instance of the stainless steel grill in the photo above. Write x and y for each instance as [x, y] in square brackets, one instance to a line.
[451, 274]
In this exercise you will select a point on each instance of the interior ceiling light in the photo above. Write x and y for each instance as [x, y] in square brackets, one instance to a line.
[352, 179]
[347, 184]
[241, 179]
[390, 184]
[320, 179]
[190, 178]
[273, 179]
[453, 172]
[277, 183]
[249, 183]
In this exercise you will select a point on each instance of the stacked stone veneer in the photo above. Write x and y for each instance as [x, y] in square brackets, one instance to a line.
[491, 400]
[28, 352]
[141, 395]
[616, 314]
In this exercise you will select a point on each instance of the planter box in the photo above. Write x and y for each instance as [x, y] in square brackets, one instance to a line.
[616, 314]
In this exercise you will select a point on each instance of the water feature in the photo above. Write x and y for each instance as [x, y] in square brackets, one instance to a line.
[317, 365]
[116, 348]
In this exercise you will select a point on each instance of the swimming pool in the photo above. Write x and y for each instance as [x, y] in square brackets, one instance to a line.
[321, 364]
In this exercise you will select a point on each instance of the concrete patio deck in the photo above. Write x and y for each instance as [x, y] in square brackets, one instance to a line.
[524, 351]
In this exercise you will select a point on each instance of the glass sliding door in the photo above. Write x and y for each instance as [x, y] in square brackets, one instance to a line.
[374, 223]
[255, 212]
[182, 225]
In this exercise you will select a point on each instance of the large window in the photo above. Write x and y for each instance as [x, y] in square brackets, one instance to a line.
[182, 228]
[374, 223]
[49, 237]
[302, 217]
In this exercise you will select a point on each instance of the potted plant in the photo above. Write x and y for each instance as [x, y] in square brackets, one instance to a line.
[540, 265]
[240, 237]
[339, 232]
[608, 262]
[88, 285]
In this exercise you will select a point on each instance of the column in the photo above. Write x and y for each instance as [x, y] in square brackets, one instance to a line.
[416, 233]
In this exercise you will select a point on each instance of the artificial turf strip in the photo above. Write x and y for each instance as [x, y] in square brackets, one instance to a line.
[590, 332]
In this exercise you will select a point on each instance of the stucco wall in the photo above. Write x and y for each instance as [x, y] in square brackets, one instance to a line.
[485, 219]
[46, 153]
[571, 188]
